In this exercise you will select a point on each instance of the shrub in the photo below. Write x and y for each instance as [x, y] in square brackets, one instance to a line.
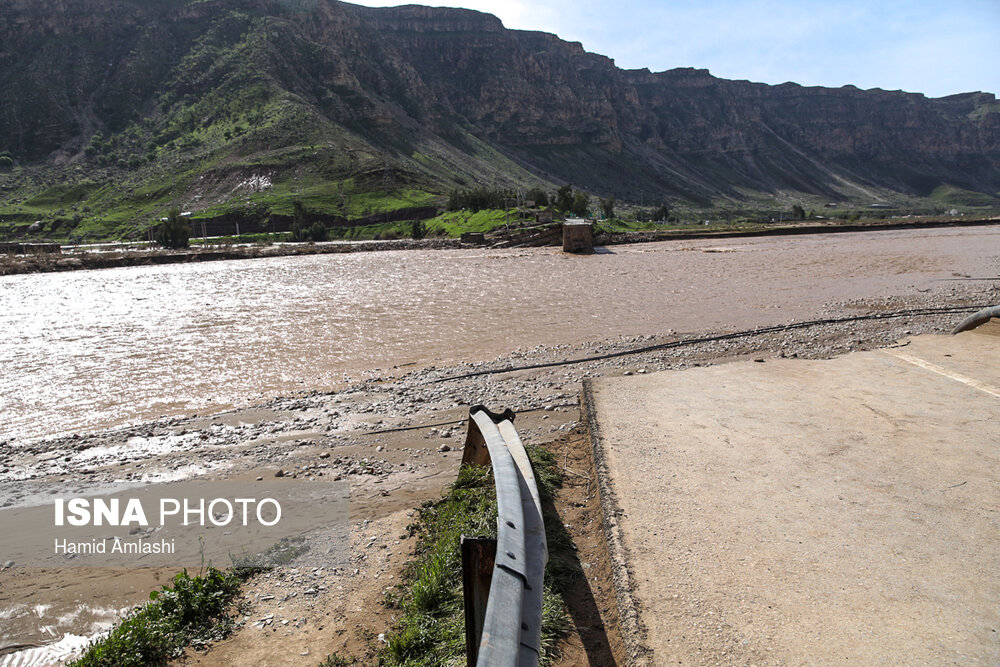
[317, 232]
[173, 232]
[191, 611]
[418, 229]
[607, 207]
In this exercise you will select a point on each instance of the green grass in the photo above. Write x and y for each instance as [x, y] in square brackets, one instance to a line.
[256, 239]
[431, 630]
[618, 226]
[615, 225]
[62, 195]
[951, 195]
[455, 222]
[191, 611]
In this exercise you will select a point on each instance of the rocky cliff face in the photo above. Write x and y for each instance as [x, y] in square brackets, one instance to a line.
[143, 73]
[554, 106]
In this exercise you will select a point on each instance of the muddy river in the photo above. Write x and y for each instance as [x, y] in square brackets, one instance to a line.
[86, 350]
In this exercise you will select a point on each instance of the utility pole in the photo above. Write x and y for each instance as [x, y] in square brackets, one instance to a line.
[506, 216]
[506, 213]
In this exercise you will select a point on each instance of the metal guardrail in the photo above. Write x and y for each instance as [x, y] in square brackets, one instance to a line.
[976, 319]
[508, 630]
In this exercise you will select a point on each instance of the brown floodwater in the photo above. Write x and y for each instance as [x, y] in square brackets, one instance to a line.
[87, 350]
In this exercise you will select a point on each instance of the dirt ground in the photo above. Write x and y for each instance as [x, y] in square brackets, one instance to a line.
[296, 617]
[346, 617]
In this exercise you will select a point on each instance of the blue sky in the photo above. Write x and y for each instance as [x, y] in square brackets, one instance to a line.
[936, 47]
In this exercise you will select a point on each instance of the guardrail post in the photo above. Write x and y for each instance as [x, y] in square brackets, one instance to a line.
[476, 453]
[478, 558]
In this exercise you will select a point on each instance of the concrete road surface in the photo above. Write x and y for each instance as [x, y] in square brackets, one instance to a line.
[844, 511]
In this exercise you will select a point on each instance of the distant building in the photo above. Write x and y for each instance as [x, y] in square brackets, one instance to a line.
[543, 215]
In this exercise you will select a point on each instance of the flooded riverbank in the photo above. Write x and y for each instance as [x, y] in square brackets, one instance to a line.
[87, 350]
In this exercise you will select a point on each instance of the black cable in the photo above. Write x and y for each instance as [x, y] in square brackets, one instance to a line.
[915, 312]
[459, 421]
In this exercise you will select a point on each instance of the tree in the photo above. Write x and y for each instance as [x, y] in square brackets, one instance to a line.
[317, 232]
[798, 213]
[662, 214]
[298, 221]
[537, 195]
[174, 232]
[418, 230]
[608, 207]
[581, 204]
[564, 198]
[477, 199]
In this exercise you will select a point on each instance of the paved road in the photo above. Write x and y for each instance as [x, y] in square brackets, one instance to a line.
[844, 511]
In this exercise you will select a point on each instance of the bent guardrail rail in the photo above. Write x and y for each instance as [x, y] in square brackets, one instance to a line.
[976, 319]
[511, 628]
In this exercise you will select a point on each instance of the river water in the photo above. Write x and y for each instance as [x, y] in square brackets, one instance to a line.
[87, 350]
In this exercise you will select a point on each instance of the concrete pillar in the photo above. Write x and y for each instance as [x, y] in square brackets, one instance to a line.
[578, 236]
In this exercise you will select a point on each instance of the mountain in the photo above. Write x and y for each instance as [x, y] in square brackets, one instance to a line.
[113, 110]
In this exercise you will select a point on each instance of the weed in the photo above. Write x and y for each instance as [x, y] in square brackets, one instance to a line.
[191, 611]
[431, 630]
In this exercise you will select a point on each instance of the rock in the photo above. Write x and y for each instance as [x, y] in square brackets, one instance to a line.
[325, 455]
[259, 478]
[279, 473]
[444, 448]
